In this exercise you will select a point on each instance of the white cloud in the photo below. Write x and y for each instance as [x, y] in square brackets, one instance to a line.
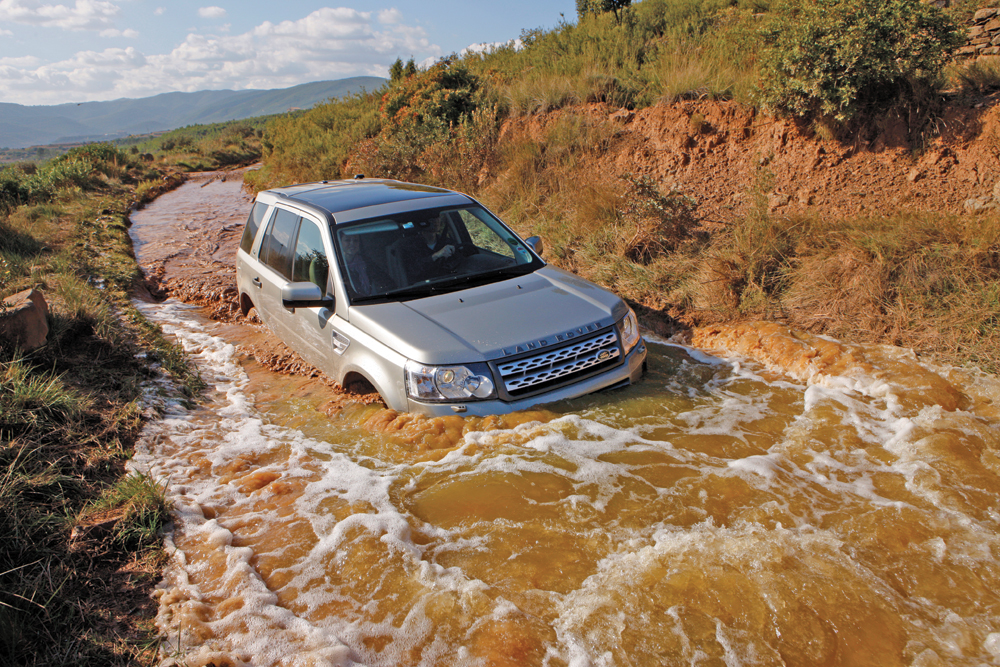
[159, 11]
[327, 44]
[84, 15]
[211, 12]
[21, 62]
[112, 32]
[89, 72]
[390, 17]
[6, 33]
[487, 47]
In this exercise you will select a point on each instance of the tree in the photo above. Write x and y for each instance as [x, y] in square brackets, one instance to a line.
[396, 70]
[584, 7]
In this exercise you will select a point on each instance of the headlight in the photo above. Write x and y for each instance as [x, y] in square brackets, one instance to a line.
[629, 329]
[448, 383]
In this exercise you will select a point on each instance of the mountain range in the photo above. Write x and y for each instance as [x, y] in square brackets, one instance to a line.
[23, 126]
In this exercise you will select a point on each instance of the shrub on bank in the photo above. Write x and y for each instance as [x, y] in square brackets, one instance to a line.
[80, 167]
[837, 57]
[437, 126]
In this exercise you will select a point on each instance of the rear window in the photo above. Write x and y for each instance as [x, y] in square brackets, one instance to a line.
[256, 217]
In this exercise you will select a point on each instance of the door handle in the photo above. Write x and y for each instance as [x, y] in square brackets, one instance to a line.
[257, 282]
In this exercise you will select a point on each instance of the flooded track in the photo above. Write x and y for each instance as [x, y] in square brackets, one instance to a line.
[765, 498]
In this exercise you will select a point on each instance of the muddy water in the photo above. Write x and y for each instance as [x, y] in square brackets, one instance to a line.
[766, 498]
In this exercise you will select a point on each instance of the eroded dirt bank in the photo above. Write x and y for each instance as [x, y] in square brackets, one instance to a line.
[719, 152]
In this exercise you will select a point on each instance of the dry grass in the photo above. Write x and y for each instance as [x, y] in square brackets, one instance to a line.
[930, 282]
[974, 76]
[690, 71]
[538, 94]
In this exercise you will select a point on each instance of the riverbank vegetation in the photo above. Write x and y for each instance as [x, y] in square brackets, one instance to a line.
[192, 148]
[926, 280]
[209, 147]
[79, 550]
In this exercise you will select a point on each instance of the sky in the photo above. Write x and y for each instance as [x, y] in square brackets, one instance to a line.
[63, 51]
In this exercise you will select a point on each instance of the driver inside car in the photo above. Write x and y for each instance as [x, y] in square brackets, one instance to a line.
[431, 252]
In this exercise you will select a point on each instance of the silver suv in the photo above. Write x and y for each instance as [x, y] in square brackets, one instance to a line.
[426, 295]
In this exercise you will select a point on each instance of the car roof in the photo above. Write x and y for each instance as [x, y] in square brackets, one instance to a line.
[335, 197]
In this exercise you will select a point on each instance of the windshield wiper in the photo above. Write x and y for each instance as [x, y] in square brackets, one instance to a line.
[405, 292]
[443, 286]
[498, 274]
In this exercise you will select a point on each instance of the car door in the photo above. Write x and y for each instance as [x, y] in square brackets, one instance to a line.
[247, 257]
[312, 326]
[275, 269]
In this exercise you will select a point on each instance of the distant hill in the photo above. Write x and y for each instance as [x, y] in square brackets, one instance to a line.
[22, 126]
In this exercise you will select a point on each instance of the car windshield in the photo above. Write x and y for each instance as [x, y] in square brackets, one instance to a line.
[420, 253]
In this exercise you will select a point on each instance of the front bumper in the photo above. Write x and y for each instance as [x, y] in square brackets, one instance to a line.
[626, 373]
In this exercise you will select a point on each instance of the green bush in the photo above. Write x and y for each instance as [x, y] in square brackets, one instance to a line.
[14, 189]
[61, 174]
[95, 154]
[835, 57]
[444, 93]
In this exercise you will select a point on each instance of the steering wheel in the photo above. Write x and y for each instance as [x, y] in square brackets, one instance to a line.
[451, 263]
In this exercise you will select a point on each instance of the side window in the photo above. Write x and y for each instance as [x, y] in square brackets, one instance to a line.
[257, 214]
[310, 263]
[484, 237]
[276, 248]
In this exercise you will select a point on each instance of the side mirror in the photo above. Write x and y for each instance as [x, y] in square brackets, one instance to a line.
[535, 243]
[304, 295]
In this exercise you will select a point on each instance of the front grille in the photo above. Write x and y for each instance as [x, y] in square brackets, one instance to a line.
[560, 365]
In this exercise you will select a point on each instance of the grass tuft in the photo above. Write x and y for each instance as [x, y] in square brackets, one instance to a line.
[137, 507]
[32, 400]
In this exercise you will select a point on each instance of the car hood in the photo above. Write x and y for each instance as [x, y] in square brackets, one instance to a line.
[491, 321]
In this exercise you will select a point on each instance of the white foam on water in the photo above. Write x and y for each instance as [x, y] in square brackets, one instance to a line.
[329, 603]
[992, 644]
[260, 631]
